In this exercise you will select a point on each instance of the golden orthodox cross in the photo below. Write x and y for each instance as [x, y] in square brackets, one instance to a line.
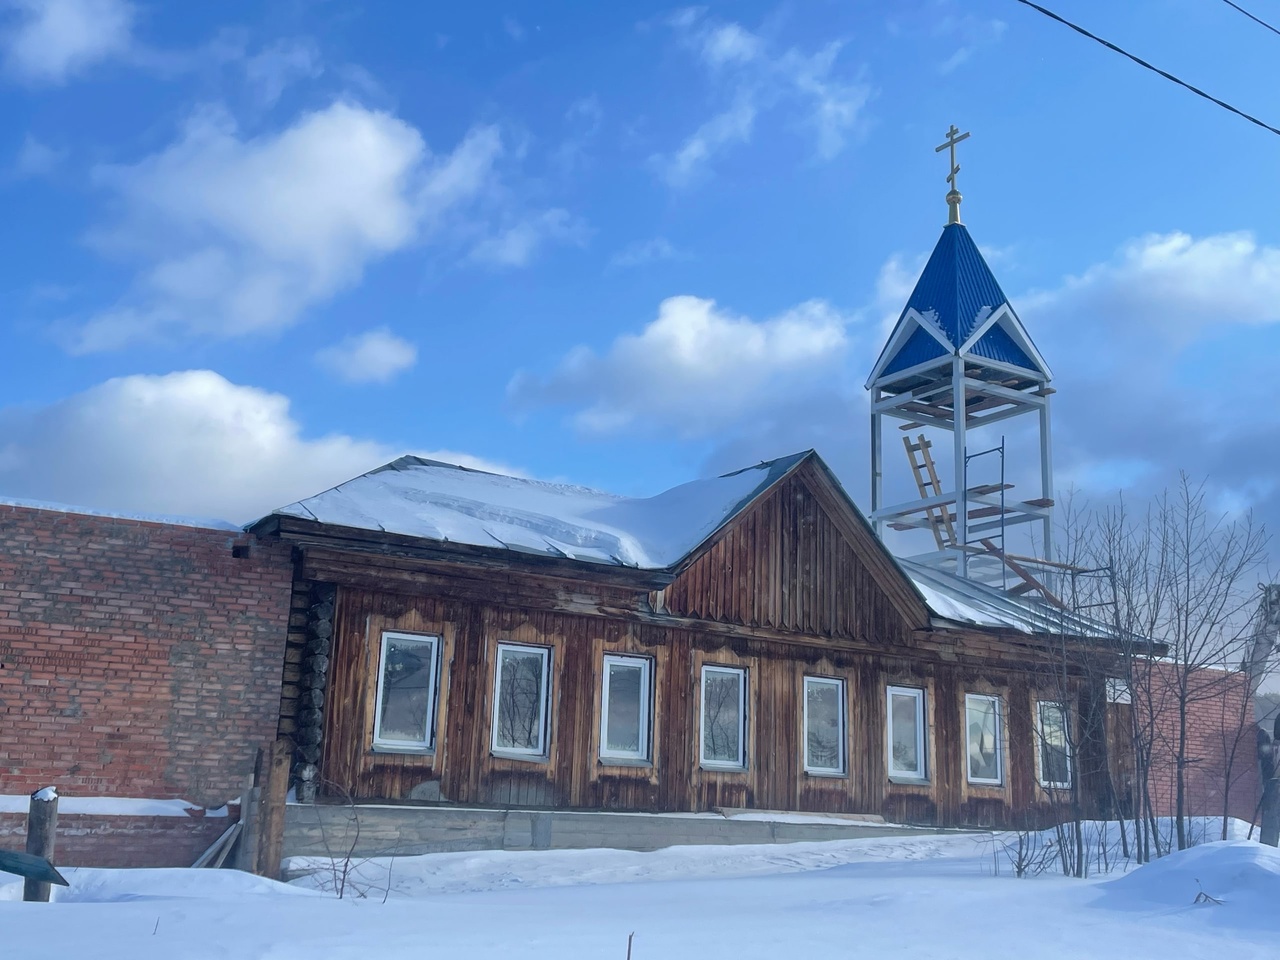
[954, 136]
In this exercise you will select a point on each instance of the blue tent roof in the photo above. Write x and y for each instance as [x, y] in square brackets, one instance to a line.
[957, 292]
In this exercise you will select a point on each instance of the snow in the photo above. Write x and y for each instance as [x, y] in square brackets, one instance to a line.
[904, 897]
[171, 520]
[439, 501]
[45, 794]
[112, 806]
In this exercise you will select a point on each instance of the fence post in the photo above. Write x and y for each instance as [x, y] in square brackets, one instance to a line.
[42, 835]
[274, 786]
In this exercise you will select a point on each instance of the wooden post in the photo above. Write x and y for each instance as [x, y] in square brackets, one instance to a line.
[273, 784]
[42, 835]
[247, 848]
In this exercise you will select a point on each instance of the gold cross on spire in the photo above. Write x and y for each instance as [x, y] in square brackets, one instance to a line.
[954, 136]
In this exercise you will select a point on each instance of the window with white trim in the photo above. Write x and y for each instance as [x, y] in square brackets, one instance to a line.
[408, 678]
[724, 718]
[1054, 744]
[520, 690]
[906, 745]
[982, 738]
[626, 707]
[1118, 690]
[824, 740]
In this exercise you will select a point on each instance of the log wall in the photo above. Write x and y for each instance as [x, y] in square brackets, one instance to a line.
[463, 769]
[797, 585]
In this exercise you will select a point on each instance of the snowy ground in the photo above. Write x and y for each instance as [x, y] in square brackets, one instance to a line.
[916, 897]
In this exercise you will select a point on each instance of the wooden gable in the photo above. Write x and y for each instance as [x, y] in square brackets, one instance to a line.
[803, 560]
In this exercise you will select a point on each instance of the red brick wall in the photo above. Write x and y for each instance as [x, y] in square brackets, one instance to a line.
[108, 841]
[1219, 724]
[136, 659]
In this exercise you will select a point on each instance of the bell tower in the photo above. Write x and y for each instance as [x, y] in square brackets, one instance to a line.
[959, 360]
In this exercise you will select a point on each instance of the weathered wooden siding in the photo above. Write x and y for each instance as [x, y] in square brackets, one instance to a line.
[790, 564]
[572, 774]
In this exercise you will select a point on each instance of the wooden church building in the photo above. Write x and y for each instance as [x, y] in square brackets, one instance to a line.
[742, 641]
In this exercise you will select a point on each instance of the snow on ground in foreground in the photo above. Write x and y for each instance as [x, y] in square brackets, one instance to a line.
[914, 897]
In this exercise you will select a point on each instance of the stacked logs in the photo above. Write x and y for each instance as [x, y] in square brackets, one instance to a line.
[315, 677]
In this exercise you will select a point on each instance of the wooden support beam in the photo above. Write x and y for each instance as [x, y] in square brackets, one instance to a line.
[1024, 573]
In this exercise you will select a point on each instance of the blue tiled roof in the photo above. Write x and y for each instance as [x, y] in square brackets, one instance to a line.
[957, 291]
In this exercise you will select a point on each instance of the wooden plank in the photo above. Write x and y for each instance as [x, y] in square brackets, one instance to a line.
[274, 788]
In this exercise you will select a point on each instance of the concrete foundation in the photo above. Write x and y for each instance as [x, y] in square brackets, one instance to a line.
[324, 830]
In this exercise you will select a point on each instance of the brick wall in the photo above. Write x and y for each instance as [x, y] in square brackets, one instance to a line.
[86, 840]
[136, 659]
[1221, 754]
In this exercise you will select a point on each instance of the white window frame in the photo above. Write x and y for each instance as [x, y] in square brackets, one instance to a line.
[922, 771]
[704, 762]
[538, 752]
[998, 781]
[842, 768]
[1118, 690]
[646, 707]
[1040, 745]
[433, 690]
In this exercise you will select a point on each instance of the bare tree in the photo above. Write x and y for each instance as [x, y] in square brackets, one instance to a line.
[1179, 574]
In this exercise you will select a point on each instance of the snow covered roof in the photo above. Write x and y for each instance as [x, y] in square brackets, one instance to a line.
[168, 519]
[967, 601]
[415, 497]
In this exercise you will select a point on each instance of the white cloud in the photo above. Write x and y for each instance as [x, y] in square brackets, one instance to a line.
[49, 41]
[694, 370]
[512, 28]
[187, 443]
[36, 159]
[974, 33]
[646, 251]
[730, 43]
[1177, 285]
[516, 244]
[240, 235]
[752, 80]
[734, 125]
[273, 69]
[378, 356]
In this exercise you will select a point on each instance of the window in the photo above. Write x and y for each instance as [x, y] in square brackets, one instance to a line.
[520, 700]
[982, 727]
[1055, 745]
[824, 726]
[906, 733]
[625, 708]
[405, 710]
[724, 717]
[1118, 690]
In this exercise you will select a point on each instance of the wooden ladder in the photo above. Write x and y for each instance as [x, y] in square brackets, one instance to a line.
[926, 477]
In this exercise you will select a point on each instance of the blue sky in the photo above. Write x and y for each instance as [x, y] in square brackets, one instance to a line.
[252, 249]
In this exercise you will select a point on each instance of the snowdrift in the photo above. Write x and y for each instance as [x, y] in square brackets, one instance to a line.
[92, 885]
[1245, 875]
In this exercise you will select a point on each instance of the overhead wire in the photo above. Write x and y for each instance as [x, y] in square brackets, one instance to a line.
[1143, 63]
[1237, 6]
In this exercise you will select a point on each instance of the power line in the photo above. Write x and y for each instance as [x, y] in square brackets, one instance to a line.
[1142, 63]
[1251, 16]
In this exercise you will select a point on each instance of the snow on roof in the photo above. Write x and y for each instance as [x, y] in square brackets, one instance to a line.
[968, 601]
[441, 501]
[175, 521]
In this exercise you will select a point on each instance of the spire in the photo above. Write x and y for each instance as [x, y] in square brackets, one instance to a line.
[954, 136]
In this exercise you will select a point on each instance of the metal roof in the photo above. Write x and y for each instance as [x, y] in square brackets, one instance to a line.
[445, 502]
[957, 292]
[965, 601]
